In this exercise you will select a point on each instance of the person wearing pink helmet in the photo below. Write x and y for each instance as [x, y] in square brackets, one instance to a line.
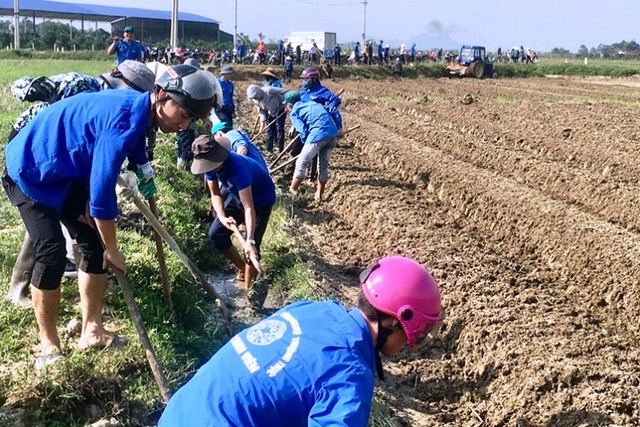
[287, 371]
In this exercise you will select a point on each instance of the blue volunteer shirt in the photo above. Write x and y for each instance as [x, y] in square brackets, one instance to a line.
[239, 172]
[238, 138]
[326, 98]
[227, 94]
[313, 122]
[85, 136]
[133, 50]
[285, 371]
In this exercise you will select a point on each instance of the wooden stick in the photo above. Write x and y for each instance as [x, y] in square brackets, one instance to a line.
[267, 127]
[166, 286]
[156, 368]
[288, 162]
[255, 125]
[191, 266]
[282, 166]
[286, 150]
[254, 260]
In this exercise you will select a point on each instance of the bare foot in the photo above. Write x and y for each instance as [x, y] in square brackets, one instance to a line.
[97, 341]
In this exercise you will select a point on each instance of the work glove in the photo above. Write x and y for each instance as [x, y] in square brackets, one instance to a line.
[128, 187]
[146, 187]
[145, 172]
[292, 132]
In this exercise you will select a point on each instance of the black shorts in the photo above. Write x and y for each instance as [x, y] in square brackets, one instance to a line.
[43, 225]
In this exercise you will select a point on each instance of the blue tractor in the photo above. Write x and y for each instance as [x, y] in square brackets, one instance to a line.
[471, 62]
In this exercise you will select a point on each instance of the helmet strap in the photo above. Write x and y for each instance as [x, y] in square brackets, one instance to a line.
[383, 335]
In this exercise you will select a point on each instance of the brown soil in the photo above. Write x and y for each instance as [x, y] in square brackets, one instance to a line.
[521, 196]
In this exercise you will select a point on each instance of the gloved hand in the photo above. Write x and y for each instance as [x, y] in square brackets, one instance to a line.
[128, 188]
[292, 132]
[147, 187]
[145, 172]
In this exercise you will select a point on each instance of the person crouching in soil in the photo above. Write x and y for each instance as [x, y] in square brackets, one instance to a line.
[251, 197]
[313, 363]
[318, 134]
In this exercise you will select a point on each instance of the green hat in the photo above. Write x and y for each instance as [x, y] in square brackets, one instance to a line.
[291, 97]
[129, 29]
[220, 127]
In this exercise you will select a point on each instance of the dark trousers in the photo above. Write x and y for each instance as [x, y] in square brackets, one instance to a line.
[185, 139]
[43, 225]
[225, 114]
[220, 235]
[276, 131]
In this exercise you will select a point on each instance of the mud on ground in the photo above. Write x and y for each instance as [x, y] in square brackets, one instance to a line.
[522, 197]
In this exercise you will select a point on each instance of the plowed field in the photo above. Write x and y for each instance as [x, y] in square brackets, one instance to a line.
[523, 198]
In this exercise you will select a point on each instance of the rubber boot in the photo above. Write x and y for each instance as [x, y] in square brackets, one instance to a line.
[21, 274]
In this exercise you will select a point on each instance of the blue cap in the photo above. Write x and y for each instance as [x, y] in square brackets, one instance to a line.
[129, 29]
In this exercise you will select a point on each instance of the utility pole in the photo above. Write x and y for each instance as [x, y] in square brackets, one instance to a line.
[235, 31]
[174, 25]
[16, 24]
[364, 23]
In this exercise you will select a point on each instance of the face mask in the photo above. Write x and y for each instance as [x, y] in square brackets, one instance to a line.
[307, 84]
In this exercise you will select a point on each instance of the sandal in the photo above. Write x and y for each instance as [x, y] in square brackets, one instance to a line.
[54, 355]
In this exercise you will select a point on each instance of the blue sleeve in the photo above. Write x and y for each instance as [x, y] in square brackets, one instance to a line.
[343, 403]
[107, 159]
[299, 125]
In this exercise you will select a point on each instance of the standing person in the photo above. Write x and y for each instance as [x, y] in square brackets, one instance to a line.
[227, 111]
[281, 52]
[251, 196]
[241, 53]
[289, 50]
[356, 53]
[318, 134]
[127, 48]
[298, 54]
[370, 52]
[269, 101]
[63, 167]
[386, 53]
[380, 53]
[314, 53]
[397, 69]
[336, 54]
[313, 363]
[271, 78]
[412, 53]
[262, 52]
[288, 68]
[130, 75]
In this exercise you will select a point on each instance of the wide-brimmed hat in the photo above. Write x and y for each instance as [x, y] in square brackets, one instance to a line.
[270, 71]
[209, 153]
[130, 74]
[227, 69]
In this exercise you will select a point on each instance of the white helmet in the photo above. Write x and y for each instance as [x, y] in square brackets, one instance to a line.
[190, 87]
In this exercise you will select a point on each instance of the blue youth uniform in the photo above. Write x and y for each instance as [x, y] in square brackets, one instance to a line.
[285, 371]
[238, 138]
[323, 96]
[133, 50]
[87, 136]
[312, 121]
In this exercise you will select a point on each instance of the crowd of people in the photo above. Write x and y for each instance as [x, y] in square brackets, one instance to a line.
[63, 159]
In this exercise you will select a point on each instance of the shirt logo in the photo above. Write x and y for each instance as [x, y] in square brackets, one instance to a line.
[266, 332]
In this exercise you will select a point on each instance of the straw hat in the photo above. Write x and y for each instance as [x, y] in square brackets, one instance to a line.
[270, 71]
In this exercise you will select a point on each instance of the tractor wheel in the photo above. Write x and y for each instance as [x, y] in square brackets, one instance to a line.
[478, 70]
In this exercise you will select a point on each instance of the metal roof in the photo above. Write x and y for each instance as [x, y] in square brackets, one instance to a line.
[90, 12]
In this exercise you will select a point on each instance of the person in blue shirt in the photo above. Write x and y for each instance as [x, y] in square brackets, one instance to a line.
[356, 53]
[412, 53]
[63, 167]
[251, 196]
[380, 53]
[131, 75]
[313, 363]
[271, 78]
[313, 90]
[227, 110]
[318, 134]
[239, 142]
[127, 48]
[336, 54]
[288, 68]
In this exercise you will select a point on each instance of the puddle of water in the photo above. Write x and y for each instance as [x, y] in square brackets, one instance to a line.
[226, 287]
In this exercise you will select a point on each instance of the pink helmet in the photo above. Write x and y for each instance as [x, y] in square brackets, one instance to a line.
[404, 289]
[310, 72]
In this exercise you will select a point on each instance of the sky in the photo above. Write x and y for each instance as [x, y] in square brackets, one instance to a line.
[539, 24]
